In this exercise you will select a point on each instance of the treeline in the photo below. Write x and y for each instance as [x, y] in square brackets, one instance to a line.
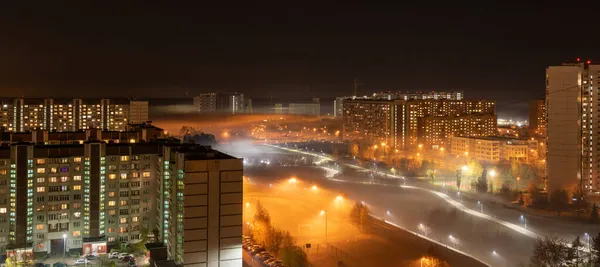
[279, 243]
[555, 252]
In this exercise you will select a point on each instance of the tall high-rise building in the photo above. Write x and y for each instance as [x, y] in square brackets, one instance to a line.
[537, 118]
[206, 102]
[571, 105]
[20, 115]
[138, 112]
[406, 123]
[338, 107]
[220, 102]
[249, 106]
[95, 194]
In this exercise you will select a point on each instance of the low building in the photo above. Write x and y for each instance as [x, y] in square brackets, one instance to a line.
[494, 149]
[306, 109]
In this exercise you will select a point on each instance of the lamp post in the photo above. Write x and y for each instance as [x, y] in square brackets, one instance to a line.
[65, 245]
[525, 221]
[324, 212]
[480, 206]
[589, 248]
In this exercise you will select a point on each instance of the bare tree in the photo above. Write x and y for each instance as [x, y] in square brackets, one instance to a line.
[549, 252]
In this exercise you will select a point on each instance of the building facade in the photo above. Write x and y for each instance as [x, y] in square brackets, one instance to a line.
[20, 115]
[306, 109]
[220, 102]
[408, 123]
[537, 118]
[138, 112]
[571, 100]
[63, 196]
[493, 149]
[338, 107]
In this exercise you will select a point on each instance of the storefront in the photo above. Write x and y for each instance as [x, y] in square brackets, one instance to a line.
[20, 253]
[94, 248]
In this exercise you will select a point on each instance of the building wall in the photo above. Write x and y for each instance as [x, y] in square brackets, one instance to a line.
[563, 92]
[27, 115]
[213, 213]
[307, 109]
[490, 149]
[138, 112]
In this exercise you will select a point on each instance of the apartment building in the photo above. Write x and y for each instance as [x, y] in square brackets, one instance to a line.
[436, 131]
[138, 112]
[493, 149]
[537, 118]
[408, 123]
[220, 102]
[85, 197]
[572, 111]
[20, 115]
[306, 109]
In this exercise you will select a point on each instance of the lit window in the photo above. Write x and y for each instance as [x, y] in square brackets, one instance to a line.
[77, 178]
[123, 202]
[41, 189]
[111, 230]
[135, 219]
[52, 180]
[64, 179]
[2, 210]
[112, 212]
[64, 206]
[76, 233]
[41, 170]
[53, 170]
[40, 180]
[112, 176]
[41, 161]
[124, 158]
[77, 187]
[146, 174]
[112, 203]
[123, 229]
[123, 220]
[77, 159]
[77, 214]
[39, 227]
[123, 176]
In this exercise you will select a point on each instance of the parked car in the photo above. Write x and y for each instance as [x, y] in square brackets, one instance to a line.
[91, 257]
[81, 261]
[128, 258]
[113, 255]
[123, 255]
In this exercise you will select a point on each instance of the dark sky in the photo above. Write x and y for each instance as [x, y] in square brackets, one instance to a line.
[287, 50]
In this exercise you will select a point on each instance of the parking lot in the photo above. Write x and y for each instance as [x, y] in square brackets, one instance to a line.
[70, 261]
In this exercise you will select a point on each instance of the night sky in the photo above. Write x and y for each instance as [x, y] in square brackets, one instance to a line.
[286, 51]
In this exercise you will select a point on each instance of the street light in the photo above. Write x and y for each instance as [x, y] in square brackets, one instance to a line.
[480, 206]
[452, 240]
[589, 249]
[524, 221]
[65, 245]
[324, 213]
[459, 197]
[492, 173]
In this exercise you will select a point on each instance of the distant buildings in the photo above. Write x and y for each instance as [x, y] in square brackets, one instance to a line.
[138, 112]
[306, 109]
[220, 102]
[493, 149]
[87, 195]
[338, 107]
[278, 109]
[573, 161]
[21, 114]
[406, 123]
[537, 118]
